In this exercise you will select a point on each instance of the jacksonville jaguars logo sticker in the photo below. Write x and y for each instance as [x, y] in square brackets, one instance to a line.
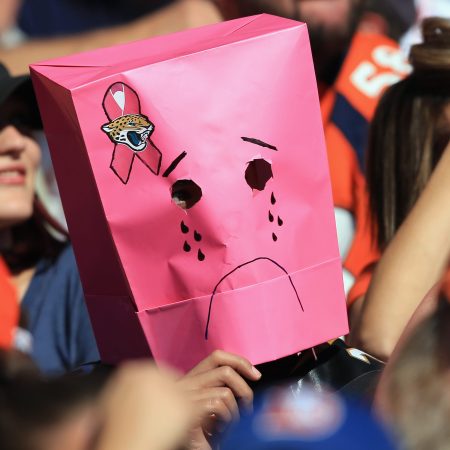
[129, 131]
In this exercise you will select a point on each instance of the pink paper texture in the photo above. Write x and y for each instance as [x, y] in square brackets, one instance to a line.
[221, 109]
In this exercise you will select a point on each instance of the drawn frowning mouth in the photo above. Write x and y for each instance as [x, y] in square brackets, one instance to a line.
[262, 258]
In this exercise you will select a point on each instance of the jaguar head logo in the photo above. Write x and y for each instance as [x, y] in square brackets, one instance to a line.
[132, 130]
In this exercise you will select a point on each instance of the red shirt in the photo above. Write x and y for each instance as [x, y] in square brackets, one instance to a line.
[9, 307]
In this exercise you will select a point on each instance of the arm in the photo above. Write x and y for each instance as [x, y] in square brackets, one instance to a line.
[412, 264]
[8, 13]
[142, 408]
[178, 16]
[382, 399]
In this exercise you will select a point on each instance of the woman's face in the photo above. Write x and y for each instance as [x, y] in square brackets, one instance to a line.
[19, 160]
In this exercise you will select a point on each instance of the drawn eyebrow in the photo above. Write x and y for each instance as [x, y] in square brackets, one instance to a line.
[174, 164]
[259, 142]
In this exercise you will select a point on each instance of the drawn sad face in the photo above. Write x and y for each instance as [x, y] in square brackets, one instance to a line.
[192, 194]
[186, 193]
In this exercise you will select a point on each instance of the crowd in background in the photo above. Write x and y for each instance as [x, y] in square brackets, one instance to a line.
[388, 142]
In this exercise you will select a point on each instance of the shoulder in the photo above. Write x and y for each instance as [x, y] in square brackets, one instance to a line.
[66, 258]
[64, 262]
[61, 274]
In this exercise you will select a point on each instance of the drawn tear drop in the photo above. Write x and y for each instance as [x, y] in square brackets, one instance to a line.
[270, 217]
[197, 236]
[186, 247]
[273, 200]
[280, 221]
[184, 228]
[200, 255]
[274, 237]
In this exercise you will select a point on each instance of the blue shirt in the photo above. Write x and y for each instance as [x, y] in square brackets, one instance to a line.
[57, 316]
[45, 18]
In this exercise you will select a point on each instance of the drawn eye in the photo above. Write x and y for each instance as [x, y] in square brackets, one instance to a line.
[185, 193]
[258, 173]
[131, 124]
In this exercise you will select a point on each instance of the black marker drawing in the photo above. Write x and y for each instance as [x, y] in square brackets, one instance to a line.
[273, 200]
[129, 130]
[174, 164]
[259, 142]
[184, 228]
[240, 267]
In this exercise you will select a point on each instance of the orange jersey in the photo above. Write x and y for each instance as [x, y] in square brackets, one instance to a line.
[373, 63]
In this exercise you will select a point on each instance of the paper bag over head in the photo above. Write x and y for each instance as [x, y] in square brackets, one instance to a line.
[193, 173]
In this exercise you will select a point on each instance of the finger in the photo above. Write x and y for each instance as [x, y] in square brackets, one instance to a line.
[223, 394]
[227, 377]
[220, 358]
[198, 441]
[215, 407]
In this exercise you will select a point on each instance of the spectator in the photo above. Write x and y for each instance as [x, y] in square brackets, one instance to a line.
[43, 269]
[140, 407]
[51, 28]
[347, 107]
[413, 396]
[122, 21]
[351, 80]
[44, 272]
[137, 408]
[410, 137]
[56, 18]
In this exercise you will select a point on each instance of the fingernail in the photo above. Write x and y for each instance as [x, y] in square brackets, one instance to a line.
[257, 372]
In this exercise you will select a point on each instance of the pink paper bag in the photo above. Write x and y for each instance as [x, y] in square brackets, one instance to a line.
[194, 178]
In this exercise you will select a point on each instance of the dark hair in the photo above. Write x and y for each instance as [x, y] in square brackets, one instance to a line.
[408, 133]
[32, 240]
[32, 404]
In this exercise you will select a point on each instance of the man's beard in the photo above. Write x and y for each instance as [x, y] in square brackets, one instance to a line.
[328, 45]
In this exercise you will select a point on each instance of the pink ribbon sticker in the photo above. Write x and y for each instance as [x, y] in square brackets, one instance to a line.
[130, 132]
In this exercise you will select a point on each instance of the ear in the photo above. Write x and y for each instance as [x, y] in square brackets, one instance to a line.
[106, 128]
